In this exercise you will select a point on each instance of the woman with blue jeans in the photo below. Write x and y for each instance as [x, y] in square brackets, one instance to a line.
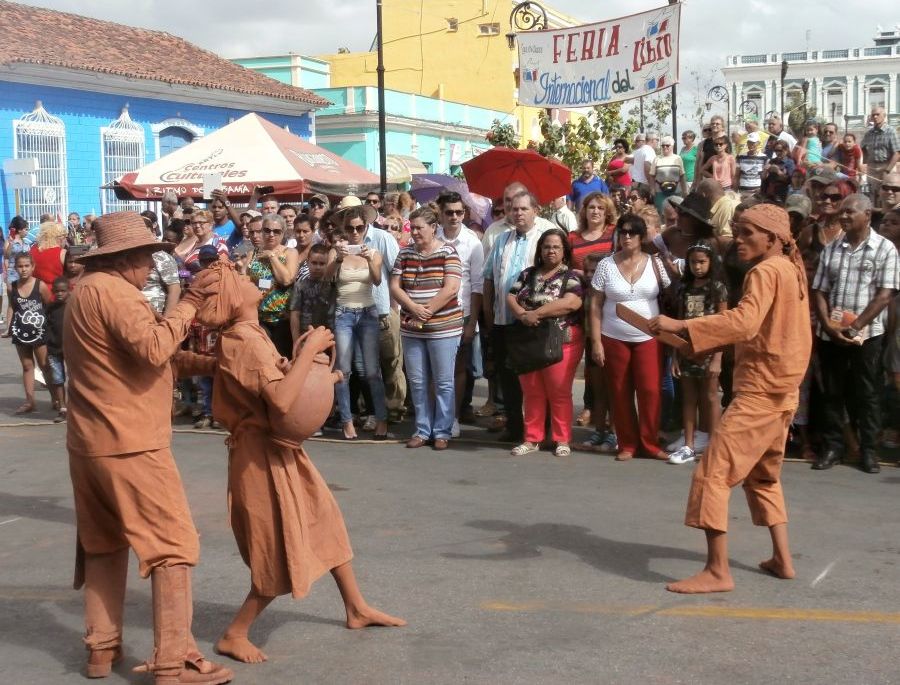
[356, 269]
[425, 281]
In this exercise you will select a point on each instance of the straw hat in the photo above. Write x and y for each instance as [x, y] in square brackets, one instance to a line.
[122, 232]
[351, 201]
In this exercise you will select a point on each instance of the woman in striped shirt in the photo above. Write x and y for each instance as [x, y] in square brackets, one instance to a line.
[425, 281]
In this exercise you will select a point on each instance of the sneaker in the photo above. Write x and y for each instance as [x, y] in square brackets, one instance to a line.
[677, 445]
[610, 443]
[61, 417]
[369, 423]
[203, 422]
[684, 455]
[454, 431]
[594, 440]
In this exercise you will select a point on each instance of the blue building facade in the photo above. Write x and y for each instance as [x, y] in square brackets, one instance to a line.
[99, 143]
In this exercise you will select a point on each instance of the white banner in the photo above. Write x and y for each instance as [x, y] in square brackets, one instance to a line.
[596, 64]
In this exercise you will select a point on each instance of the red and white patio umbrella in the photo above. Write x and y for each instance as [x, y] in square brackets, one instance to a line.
[248, 152]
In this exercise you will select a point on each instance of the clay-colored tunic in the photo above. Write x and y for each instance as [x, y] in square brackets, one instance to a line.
[286, 522]
[772, 338]
[127, 488]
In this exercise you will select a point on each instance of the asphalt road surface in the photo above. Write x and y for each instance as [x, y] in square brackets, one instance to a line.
[509, 570]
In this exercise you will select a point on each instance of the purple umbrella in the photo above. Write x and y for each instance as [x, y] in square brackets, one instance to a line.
[426, 188]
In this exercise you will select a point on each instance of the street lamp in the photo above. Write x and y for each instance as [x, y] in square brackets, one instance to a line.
[526, 16]
[749, 108]
[805, 88]
[720, 94]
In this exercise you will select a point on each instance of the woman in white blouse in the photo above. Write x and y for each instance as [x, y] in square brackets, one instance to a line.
[632, 359]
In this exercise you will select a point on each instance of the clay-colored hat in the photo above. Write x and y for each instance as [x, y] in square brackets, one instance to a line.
[350, 201]
[121, 232]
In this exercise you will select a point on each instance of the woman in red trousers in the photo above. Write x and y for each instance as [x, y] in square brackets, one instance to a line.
[550, 289]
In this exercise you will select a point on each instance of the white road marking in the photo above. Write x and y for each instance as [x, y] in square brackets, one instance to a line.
[824, 573]
[17, 518]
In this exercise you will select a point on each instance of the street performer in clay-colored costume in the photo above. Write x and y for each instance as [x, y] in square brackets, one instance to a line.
[128, 493]
[771, 334]
[286, 522]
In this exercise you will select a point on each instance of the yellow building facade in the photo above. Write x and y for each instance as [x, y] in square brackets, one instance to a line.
[455, 50]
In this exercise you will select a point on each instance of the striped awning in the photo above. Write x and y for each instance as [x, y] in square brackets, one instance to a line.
[400, 168]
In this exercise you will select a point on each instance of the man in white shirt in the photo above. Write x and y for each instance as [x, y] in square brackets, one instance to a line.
[468, 247]
[563, 216]
[776, 133]
[506, 223]
[641, 158]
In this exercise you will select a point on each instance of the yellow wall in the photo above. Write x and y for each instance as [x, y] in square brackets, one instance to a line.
[421, 56]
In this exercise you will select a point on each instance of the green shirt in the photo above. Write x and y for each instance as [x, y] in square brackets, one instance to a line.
[689, 157]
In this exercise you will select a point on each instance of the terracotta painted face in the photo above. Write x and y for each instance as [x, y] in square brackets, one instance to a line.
[752, 243]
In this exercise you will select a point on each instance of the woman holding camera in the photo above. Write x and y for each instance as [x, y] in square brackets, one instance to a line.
[356, 269]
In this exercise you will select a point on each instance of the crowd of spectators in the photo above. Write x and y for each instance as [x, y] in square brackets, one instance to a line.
[425, 300]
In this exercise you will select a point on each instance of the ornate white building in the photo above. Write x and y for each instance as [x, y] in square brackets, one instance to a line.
[843, 85]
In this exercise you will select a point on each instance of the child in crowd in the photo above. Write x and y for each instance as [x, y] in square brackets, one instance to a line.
[603, 439]
[809, 151]
[312, 301]
[721, 166]
[56, 379]
[848, 156]
[798, 178]
[702, 293]
[27, 324]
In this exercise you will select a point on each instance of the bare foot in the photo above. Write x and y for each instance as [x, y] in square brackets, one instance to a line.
[241, 649]
[26, 408]
[367, 616]
[777, 568]
[705, 581]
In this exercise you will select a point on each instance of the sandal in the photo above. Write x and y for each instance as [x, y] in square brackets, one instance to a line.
[523, 449]
[26, 408]
[562, 450]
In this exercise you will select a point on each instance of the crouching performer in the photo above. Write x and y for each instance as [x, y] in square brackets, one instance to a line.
[286, 522]
[128, 493]
[771, 334]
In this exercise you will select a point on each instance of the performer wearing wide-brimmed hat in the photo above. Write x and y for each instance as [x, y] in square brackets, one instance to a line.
[128, 493]
[770, 331]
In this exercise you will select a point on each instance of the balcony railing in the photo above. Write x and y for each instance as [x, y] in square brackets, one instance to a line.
[815, 56]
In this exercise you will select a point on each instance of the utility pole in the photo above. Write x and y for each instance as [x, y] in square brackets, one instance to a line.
[382, 125]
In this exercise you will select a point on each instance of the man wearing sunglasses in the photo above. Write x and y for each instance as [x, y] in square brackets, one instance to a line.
[373, 199]
[467, 245]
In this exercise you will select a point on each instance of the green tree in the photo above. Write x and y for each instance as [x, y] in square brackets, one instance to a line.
[794, 105]
[657, 111]
[502, 135]
[589, 138]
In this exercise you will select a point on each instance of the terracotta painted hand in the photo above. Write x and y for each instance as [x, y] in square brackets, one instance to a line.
[284, 365]
[315, 341]
[663, 324]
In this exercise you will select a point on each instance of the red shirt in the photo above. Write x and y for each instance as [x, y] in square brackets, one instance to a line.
[581, 247]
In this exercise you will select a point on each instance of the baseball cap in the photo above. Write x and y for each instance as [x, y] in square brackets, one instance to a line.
[753, 137]
[798, 204]
[252, 213]
[321, 198]
[823, 175]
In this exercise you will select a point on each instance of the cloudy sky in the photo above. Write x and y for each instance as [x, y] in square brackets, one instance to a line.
[711, 29]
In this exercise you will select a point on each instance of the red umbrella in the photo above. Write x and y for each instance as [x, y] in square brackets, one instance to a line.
[490, 172]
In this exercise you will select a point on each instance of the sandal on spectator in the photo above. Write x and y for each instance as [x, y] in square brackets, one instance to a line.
[523, 449]
[562, 450]
[26, 408]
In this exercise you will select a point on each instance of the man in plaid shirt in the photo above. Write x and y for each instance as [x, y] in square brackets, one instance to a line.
[858, 275]
[881, 149]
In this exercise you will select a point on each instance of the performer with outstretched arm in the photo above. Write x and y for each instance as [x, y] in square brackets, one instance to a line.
[772, 337]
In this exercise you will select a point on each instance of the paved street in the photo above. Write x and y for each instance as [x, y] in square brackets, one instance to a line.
[527, 570]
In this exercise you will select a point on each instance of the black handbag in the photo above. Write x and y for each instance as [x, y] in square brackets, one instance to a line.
[530, 348]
